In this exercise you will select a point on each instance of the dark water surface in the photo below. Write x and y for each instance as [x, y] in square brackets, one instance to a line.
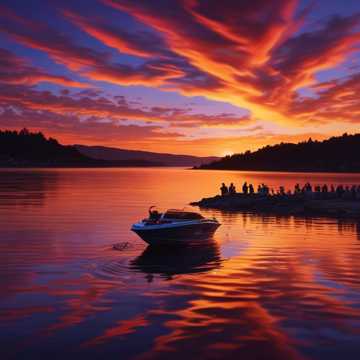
[266, 287]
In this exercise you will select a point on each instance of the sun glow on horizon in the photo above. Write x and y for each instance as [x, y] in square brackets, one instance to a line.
[227, 153]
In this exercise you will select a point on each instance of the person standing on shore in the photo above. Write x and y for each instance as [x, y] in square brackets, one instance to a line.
[224, 190]
[245, 188]
[232, 189]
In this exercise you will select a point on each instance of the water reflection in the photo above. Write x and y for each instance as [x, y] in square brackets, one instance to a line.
[197, 257]
[25, 187]
[266, 287]
[292, 294]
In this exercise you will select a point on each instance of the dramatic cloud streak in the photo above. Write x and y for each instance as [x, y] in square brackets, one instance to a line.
[252, 47]
[283, 65]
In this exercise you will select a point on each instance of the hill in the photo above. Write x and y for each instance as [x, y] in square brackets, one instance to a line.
[337, 154]
[115, 154]
[24, 148]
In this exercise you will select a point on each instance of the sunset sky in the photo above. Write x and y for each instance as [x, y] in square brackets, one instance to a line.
[182, 76]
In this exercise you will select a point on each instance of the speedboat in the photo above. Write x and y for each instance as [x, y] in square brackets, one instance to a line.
[174, 226]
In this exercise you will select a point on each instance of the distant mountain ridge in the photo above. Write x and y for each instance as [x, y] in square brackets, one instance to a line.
[336, 154]
[116, 154]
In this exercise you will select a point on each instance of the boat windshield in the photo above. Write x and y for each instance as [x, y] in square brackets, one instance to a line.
[182, 215]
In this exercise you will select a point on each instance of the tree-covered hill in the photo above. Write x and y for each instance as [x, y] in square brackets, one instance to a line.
[337, 154]
[24, 148]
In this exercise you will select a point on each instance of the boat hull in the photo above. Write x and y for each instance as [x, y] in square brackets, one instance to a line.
[175, 235]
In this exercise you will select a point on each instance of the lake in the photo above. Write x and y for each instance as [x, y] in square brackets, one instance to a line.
[266, 287]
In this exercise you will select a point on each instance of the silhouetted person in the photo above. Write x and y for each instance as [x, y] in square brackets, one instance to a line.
[251, 189]
[324, 189]
[232, 189]
[340, 191]
[245, 188]
[297, 189]
[265, 189]
[154, 215]
[224, 190]
[347, 193]
[358, 192]
[353, 192]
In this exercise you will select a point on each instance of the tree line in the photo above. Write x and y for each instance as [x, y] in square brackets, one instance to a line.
[336, 154]
[25, 148]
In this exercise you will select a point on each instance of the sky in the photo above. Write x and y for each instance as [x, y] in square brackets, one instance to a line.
[181, 76]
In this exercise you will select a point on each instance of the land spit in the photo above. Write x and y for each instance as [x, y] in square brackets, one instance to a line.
[295, 204]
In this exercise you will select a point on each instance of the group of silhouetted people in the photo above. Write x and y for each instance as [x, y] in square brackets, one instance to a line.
[246, 188]
[227, 190]
[318, 191]
[340, 190]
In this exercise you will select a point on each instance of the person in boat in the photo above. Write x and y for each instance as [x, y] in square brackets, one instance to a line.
[224, 189]
[232, 189]
[154, 215]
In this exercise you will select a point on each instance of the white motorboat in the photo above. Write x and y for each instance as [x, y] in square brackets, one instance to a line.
[174, 226]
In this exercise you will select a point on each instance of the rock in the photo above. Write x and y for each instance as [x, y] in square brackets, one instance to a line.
[298, 204]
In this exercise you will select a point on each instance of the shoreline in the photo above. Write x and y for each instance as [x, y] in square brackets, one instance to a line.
[283, 205]
[298, 171]
[67, 166]
[160, 166]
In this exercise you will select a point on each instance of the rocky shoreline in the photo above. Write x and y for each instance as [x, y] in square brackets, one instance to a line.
[295, 204]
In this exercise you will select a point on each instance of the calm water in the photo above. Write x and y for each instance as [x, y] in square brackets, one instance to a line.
[266, 287]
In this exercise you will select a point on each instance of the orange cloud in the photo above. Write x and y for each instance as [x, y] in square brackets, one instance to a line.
[89, 62]
[337, 100]
[94, 105]
[258, 58]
